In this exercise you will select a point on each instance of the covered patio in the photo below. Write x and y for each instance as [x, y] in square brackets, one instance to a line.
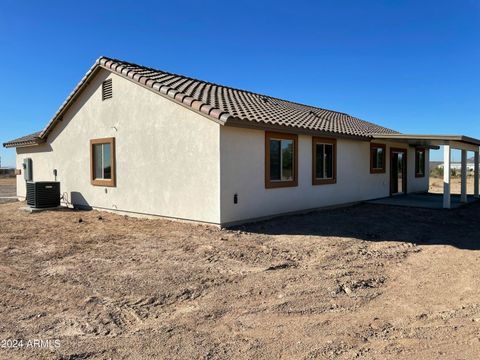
[426, 201]
[449, 143]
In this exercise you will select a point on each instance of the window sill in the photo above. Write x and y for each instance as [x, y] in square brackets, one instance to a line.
[104, 183]
[419, 175]
[324, 181]
[280, 184]
[377, 171]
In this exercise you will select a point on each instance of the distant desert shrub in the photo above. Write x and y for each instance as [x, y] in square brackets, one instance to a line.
[437, 172]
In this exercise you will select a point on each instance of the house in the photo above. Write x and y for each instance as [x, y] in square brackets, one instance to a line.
[457, 166]
[137, 140]
[6, 171]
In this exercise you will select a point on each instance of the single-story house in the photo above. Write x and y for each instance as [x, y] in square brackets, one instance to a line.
[138, 140]
[7, 171]
[457, 166]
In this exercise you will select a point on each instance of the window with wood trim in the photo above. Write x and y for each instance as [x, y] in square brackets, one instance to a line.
[102, 162]
[324, 161]
[420, 162]
[377, 158]
[281, 160]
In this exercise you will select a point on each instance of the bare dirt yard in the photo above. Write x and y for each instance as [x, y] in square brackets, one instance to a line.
[364, 282]
[7, 189]
[436, 185]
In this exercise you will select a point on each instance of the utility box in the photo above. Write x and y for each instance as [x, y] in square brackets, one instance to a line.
[43, 194]
[27, 169]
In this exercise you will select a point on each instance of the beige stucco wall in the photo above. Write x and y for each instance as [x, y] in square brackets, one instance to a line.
[174, 162]
[243, 167]
[167, 156]
[417, 185]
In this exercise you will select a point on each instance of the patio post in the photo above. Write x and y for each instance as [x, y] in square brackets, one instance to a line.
[447, 155]
[476, 180]
[464, 198]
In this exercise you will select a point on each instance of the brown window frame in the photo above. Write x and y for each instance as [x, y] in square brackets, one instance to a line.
[417, 173]
[103, 182]
[378, 170]
[272, 184]
[330, 141]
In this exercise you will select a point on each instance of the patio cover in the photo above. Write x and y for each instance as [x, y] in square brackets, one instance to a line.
[449, 142]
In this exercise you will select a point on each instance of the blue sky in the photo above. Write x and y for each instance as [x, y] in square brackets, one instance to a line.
[409, 65]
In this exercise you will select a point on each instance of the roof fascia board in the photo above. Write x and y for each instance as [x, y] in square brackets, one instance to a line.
[197, 106]
[87, 80]
[239, 123]
[463, 146]
[412, 143]
[434, 139]
[23, 144]
[470, 140]
[70, 99]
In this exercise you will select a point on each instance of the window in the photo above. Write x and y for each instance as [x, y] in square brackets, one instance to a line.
[102, 162]
[419, 162]
[107, 90]
[324, 162]
[281, 158]
[377, 158]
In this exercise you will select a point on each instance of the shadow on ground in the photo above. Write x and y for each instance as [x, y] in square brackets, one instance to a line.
[372, 222]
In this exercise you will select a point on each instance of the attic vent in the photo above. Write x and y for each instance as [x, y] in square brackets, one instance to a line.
[107, 89]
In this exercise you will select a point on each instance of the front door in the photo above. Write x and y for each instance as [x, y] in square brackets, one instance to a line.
[398, 171]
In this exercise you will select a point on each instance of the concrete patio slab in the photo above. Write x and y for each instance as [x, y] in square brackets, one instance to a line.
[427, 201]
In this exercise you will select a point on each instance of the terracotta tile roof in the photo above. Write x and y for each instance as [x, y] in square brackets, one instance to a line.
[32, 139]
[226, 105]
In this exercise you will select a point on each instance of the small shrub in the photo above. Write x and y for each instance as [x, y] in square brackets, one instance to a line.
[437, 172]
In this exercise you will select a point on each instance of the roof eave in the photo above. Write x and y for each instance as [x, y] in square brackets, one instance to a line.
[103, 63]
[176, 96]
[70, 99]
[434, 139]
[21, 144]
[247, 124]
[192, 104]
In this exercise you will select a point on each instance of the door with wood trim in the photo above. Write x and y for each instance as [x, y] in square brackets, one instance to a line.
[398, 171]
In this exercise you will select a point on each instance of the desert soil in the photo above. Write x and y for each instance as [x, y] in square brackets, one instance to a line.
[364, 282]
[436, 185]
[7, 189]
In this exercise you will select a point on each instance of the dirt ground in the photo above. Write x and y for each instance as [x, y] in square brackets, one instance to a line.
[436, 185]
[364, 282]
[7, 189]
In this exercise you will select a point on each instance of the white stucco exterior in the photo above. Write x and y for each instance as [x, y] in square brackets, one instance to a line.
[173, 162]
[243, 165]
[167, 156]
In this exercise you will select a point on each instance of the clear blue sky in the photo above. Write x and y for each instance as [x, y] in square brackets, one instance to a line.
[413, 66]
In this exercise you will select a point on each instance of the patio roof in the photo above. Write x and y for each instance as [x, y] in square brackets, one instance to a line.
[433, 141]
[448, 142]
